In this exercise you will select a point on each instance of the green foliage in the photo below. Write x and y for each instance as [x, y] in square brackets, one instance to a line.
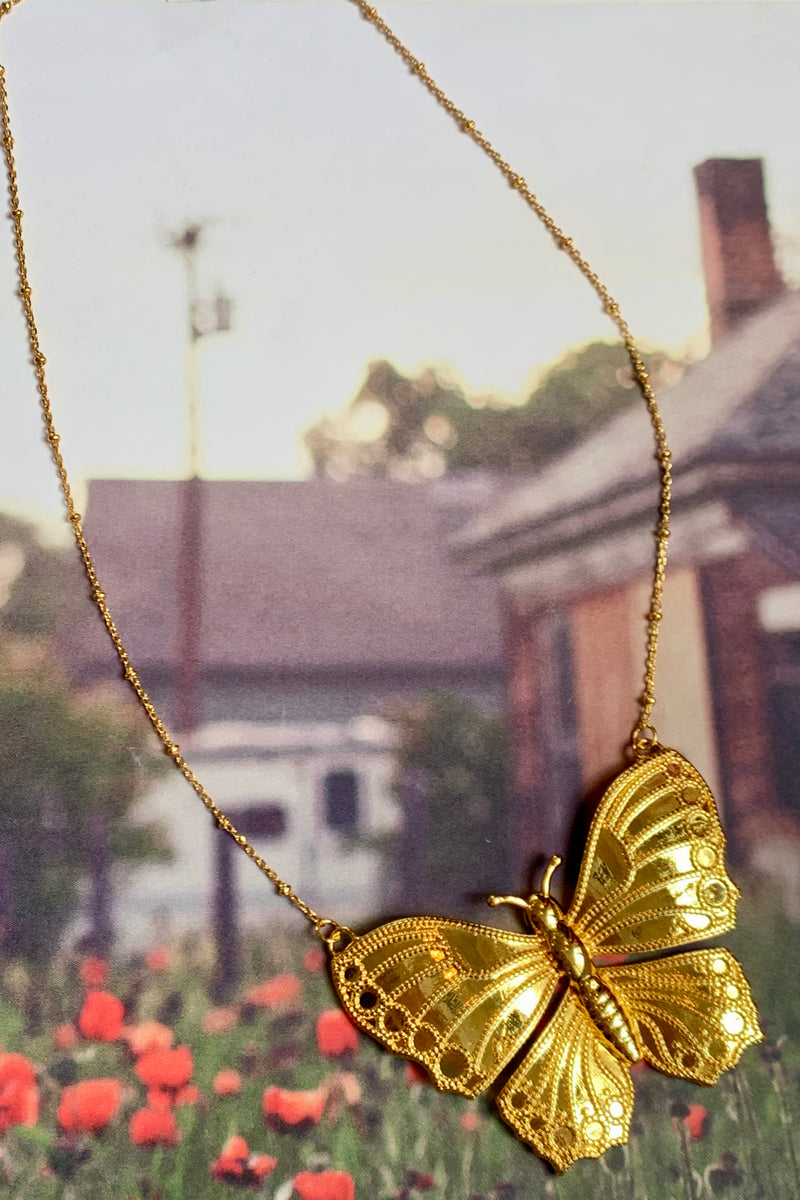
[63, 761]
[452, 767]
[71, 766]
[388, 1131]
[415, 428]
[39, 585]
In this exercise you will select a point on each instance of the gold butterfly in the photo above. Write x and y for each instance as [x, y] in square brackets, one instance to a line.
[464, 999]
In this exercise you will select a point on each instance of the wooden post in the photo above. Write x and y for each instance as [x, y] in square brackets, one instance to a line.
[190, 602]
[101, 931]
[7, 891]
[226, 919]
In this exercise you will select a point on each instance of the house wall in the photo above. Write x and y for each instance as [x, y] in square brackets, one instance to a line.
[609, 638]
[606, 665]
[606, 680]
[718, 674]
[330, 870]
[742, 674]
[340, 696]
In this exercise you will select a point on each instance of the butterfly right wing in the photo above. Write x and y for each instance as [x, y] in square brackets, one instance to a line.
[572, 1095]
[653, 873]
[461, 999]
[692, 1013]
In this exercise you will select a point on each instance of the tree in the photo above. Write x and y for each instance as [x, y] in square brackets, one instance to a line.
[451, 782]
[72, 765]
[414, 428]
[71, 768]
[39, 585]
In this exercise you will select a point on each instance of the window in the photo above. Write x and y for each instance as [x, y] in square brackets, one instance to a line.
[261, 820]
[341, 801]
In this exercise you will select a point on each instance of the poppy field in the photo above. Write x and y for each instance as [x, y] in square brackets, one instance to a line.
[124, 1079]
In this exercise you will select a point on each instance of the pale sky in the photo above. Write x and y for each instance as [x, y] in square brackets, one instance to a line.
[348, 218]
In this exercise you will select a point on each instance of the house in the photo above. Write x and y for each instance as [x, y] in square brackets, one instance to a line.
[273, 624]
[289, 601]
[573, 551]
[314, 798]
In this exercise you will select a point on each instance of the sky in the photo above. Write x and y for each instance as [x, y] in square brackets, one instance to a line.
[345, 215]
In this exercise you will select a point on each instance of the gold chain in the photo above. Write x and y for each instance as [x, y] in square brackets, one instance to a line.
[644, 735]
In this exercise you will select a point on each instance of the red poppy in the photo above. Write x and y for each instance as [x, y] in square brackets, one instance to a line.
[336, 1034]
[168, 1069]
[238, 1166]
[345, 1085]
[469, 1121]
[100, 1019]
[227, 1082]
[64, 1036]
[16, 1068]
[89, 1106]
[282, 991]
[19, 1094]
[158, 1098]
[164, 1098]
[697, 1122]
[293, 1112]
[147, 1036]
[220, 1020]
[324, 1185]
[420, 1181]
[158, 959]
[153, 1127]
[93, 972]
[415, 1074]
[314, 960]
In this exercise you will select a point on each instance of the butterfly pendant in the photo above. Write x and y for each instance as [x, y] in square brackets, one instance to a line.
[466, 1000]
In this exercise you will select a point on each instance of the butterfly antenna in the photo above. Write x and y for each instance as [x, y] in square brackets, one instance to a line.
[514, 901]
[549, 870]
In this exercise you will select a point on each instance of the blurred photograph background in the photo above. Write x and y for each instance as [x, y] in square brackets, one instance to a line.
[371, 494]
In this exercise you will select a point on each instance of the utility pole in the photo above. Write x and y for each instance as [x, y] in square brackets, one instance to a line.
[204, 318]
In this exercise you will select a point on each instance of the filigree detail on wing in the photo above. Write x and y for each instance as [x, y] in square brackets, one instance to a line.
[693, 1013]
[653, 875]
[460, 999]
[572, 1096]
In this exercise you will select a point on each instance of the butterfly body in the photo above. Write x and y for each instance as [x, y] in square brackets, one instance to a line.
[475, 1004]
[574, 960]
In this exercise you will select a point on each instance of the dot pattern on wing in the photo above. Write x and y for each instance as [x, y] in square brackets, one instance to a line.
[693, 1012]
[653, 875]
[460, 999]
[463, 999]
[572, 1096]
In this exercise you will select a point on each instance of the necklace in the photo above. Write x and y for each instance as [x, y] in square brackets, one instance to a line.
[472, 1003]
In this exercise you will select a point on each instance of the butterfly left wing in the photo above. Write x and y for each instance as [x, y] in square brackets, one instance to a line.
[692, 1013]
[461, 999]
[653, 874]
[572, 1095]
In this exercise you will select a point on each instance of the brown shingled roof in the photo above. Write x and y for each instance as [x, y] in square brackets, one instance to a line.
[308, 575]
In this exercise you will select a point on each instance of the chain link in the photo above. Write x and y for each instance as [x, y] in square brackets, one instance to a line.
[643, 738]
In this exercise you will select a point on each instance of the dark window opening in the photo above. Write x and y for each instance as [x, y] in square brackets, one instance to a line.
[341, 801]
[261, 820]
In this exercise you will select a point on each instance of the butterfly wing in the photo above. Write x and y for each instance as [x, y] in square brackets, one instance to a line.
[653, 875]
[460, 999]
[692, 1013]
[572, 1095]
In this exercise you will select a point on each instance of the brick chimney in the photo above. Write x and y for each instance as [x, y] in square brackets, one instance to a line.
[738, 259]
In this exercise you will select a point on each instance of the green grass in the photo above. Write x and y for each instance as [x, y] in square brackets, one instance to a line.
[393, 1126]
